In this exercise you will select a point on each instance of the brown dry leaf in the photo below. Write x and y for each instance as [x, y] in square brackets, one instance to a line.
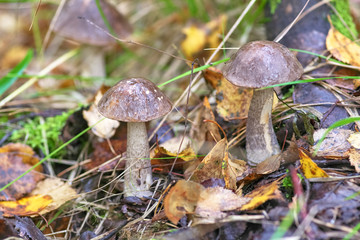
[25, 206]
[354, 157]
[343, 48]
[211, 165]
[262, 194]
[59, 191]
[232, 102]
[182, 199]
[231, 169]
[102, 153]
[201, 36]
[15, 159]
[104, 129]
[269, 165]
[214, 201]
[354, 140]
[309, 168]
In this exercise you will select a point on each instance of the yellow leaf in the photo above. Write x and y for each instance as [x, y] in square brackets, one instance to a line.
[354, 157]
[201, 36]
[343, 48]
[25, 206]
[261, 195]
[309, 168]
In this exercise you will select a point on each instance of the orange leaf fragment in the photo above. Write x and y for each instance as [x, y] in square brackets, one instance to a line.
[261, 195]
[15, 159]
[25, 206]
[309, 168]
[181, 199]
[343, 48]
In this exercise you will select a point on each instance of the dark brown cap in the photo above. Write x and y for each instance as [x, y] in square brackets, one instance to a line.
[262, 63]
[69, 25]
[134, 100]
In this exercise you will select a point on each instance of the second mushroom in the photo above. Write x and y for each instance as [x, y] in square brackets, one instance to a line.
[135, 101]
[256, 65]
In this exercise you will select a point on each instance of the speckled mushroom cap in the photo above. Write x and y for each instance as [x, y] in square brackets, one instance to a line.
[70, 26]
[262, 63]
[134, 100]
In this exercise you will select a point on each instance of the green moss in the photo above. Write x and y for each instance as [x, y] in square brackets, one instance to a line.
[31, 133]
[343, 8]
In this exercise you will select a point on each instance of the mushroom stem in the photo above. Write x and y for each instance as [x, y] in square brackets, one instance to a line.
[138, 177]
[93, 64]
[261, 142]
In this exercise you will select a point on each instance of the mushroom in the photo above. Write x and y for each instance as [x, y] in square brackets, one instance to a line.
[69, 25]
[135, 101]
[255, 65]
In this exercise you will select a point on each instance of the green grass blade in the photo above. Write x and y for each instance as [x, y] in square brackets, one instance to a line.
[339, 123]
[353, 232]
[15, 73]
[195, 71]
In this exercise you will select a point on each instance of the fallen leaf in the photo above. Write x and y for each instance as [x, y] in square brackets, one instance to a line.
[213, 202]
[354, 157]
[343, 48]
[26, 227]
[232, 102]
[335, 145]
[354, 140]
[309, 168]
[211, 165]
[181, 200]
[59, 191]
[104, 129]
[231, 169]
[201, 36]
[269, 165]
[15, 159]
[25, 206]
[261, 195]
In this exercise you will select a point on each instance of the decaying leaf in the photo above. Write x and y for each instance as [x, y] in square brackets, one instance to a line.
[213, 202]
[343, 48]
[354, 140]
[104, 129]
[261, 195]
[15, 159]
[165, 154]
[309, 168]
[211, 165]
[59, 191]
[231, 169]
[271, 164]
[181, 200]
[25, 206]
[354, 157]
[335, 145]
[232, 103]
[201, 36]
[188, 197]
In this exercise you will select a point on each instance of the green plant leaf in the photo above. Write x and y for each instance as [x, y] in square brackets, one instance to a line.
[14, 74]
[339, 123]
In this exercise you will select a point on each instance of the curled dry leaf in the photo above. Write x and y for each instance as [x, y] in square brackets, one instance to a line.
[354, 140]
[343, 48]
[59, 191]
[262, 194]
[188, 197]
[15, 159]
[181, 200]
[354, 157]
[232, 102]
[25, 206]
[104, 129]
[309, 168]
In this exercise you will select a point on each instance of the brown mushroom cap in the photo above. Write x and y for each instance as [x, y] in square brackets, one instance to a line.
[262, 63]
[70, 26]
[134, 100]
